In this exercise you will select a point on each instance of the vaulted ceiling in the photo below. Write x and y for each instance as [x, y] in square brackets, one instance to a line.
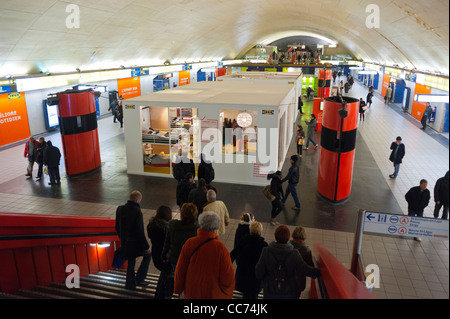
[34, 36]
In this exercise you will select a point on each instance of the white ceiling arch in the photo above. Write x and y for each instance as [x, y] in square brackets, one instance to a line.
[34, 36]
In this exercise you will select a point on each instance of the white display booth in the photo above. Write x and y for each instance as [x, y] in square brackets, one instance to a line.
[243, 127]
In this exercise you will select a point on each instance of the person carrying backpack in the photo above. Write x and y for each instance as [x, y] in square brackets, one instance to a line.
[281, 267]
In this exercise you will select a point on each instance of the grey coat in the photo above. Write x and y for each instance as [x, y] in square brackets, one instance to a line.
[311, 132]
[296, 267]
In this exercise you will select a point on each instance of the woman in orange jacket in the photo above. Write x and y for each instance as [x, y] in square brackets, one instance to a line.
[204, 269]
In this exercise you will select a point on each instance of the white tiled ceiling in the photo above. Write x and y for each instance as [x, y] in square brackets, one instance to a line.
[34, 36]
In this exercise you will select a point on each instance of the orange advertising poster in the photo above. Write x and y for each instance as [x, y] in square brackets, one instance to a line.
[129, 87]
[386, 82]
[13, 118]
[418, 108]
[184, 77]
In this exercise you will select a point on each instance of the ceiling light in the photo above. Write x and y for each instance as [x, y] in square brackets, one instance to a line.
[244, 119]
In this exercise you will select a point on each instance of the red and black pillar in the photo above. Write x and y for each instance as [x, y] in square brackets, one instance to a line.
[79, 133]
[338, 140]
[324, 85]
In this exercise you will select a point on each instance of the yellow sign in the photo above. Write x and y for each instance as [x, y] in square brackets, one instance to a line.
[268, 112]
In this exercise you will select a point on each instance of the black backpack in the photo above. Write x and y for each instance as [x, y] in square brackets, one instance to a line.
[278, 280]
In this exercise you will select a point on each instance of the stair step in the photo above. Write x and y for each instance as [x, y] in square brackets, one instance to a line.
[95, 284]
[69, 293]
[33, 294]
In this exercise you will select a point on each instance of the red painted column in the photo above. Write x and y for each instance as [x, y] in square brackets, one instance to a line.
[338, 139]
[79, 133]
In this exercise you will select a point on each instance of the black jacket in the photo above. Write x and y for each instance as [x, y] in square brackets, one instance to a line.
[417, 199]
[185, 166]
[197, 196]
[40, 152]
[306, 254]
[52, 155]
[276, 189]
[130, 228]
[184, 188]
[156, 230]
[206, 171]
[441, 190]
[247, 253]
[293, 175]
[397, 159]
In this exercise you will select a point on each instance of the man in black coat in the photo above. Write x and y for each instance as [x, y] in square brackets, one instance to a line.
[130, 229]
[197, 196]
[441, 191]
[52, 156]
[418, 198]
[184, 188]
[292, 177]
[397, 154]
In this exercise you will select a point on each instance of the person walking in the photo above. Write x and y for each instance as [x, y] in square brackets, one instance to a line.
[441, 193]
[341, 87]
[119, 112]
[30, 152]
[243, 227]
[157, 229]
[179, 231]
[40, 157]
[347, 87]
[292, 178]
[205, 170]
[197, 196]
[369, 98]
[184, 188]
[204, 269]
[280, 268]
[397, 154]
[247, 253]
[311, 132]
[300, 140]
[300, 106]
[388, 95]
[425, 116]
[362, 109]
[298, 241]
[52, 156]
[418, 198]
[218, 207]
[113, 108]
[130, 229]
[277, 191]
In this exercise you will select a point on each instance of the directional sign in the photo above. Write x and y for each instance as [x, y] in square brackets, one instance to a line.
[400, 225]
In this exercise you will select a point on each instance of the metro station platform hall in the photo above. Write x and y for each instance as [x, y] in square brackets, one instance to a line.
[402, 49]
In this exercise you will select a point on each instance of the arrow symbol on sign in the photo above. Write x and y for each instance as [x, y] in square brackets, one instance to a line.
[370, 217]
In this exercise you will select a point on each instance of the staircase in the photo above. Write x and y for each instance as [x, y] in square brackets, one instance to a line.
[103, 285]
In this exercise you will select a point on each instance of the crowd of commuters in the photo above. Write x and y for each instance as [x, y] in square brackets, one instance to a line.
[196, 264]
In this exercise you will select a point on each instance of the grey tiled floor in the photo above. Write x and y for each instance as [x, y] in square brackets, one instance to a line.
[408, 269]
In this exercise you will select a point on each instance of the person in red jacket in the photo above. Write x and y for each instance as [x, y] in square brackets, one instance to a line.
[30, 152]
[204, 269]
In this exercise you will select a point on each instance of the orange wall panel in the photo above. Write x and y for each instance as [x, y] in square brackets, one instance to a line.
[184, 77]
[418, 108]
[13, 118]
[129, 87]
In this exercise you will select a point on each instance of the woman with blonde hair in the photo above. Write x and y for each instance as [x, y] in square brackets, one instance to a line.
[243, 227]
[247, 253]
[298, 241]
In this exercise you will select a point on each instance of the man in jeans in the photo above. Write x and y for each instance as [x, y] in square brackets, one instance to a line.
[130, 228]
[292, 177]
[418, 198]
[397, 154]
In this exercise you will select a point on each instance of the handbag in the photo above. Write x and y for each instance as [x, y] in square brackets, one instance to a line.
[301, 141]
[268, 193]
[45, 170]
[118, 259]
[164, 288]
